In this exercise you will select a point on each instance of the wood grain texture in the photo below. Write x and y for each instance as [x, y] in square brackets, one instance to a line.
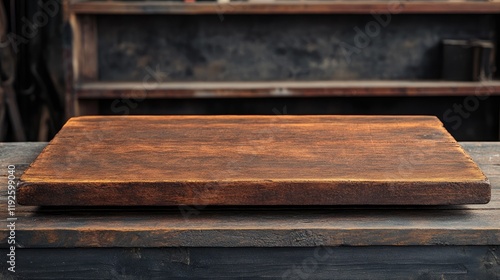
[283, 89]
[311, 7]
[202, 226]
[71, 49]
[88, 48]
[253, 160]
[372, 262]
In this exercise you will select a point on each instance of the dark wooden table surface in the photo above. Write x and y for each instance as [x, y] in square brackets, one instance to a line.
[433, 242]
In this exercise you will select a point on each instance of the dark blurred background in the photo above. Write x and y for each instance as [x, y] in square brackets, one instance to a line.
[57, 63]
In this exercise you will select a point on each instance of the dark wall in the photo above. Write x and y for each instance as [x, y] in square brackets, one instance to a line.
[281, 47]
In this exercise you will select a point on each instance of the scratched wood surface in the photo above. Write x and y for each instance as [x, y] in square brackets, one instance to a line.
[361, 263]
[253, 160]
[209, 226]
[284, 7]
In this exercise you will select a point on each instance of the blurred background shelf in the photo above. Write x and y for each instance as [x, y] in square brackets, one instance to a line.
[284, 89]
[270, 7]
[255, 57]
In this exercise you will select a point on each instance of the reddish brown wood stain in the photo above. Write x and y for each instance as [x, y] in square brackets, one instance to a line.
[253, 160]
[313, 7]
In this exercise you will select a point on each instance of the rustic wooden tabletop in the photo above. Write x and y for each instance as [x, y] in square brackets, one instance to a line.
[253, 160]
[203, 242]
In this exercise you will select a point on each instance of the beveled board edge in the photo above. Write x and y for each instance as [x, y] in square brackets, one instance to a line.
[312, 192]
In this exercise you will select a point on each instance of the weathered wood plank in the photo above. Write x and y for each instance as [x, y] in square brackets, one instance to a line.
[19, 153]
[291, 7]
[253, 160]
[200, 225]
[140, 90]
[344, 227]
[374, 262]
[88, 49]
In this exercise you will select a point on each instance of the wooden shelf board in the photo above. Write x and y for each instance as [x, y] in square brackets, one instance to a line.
[286, 7]
[93, 90]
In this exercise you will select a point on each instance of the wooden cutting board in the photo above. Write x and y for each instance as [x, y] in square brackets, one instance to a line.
[253, 160]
